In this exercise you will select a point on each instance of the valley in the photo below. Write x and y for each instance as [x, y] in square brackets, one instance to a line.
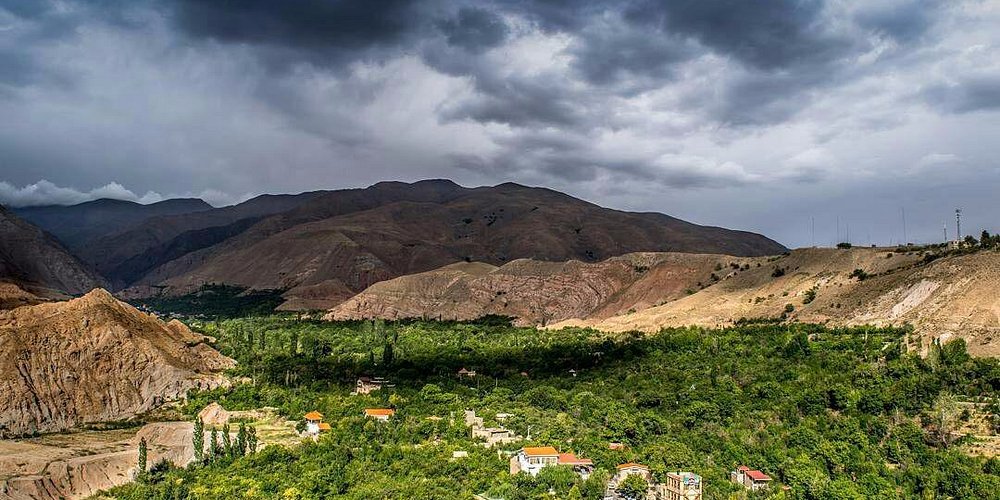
[605, 339]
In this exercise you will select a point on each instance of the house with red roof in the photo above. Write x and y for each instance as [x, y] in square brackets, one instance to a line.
[751, 479]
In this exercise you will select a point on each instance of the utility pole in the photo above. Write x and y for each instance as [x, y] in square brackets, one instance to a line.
[945, 226]
[958, 224]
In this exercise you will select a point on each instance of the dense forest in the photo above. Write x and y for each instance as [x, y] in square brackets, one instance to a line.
[831, 414]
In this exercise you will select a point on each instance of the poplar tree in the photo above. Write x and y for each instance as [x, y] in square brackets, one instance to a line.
[198, 440]
[142, 458]
[214, 444]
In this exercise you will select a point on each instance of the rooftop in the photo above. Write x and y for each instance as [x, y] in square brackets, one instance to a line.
[540, 451]
[571, 459]
[313, 415]
[757, 475]
[631, 465]
[379, 412]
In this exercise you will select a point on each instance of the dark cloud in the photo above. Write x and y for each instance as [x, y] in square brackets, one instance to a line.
[975, 93]
[475, 29]
[766, 34]
[614, 52]
[328, 32]
[523, 102]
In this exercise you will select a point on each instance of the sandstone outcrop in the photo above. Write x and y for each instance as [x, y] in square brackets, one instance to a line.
[95, 359]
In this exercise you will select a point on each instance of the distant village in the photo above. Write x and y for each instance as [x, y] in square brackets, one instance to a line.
[675, 485]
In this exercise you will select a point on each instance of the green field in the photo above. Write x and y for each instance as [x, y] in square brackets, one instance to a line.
[830, 413]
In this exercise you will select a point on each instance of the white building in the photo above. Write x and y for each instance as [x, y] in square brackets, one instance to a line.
[313, 421]
[533, 459]
[752, 480]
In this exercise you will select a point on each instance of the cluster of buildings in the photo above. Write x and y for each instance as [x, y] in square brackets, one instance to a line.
[532, 459]
[315, 424]
[491, 436]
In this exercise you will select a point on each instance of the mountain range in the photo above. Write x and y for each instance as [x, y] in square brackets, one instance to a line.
[320, 248]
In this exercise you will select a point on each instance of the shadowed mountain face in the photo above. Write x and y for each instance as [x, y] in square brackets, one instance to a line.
[77, 225]
[37, 262]
[347, 240]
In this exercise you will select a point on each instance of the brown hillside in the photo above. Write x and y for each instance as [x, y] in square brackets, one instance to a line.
[94, 359]
[538, 292]
[12, 296]
[35, 261]
[323, 243]
[951, 296]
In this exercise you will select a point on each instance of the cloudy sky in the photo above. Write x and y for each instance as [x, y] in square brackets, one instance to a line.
[777, 116]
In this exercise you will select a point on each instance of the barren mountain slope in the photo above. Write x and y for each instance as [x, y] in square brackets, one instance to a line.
[77, 225]
[538, 292]
[128, 254]
[307, 247]
[35, 261]
[953, 295]
[94, 359]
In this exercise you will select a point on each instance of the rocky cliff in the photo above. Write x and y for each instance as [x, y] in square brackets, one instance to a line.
[94, 359]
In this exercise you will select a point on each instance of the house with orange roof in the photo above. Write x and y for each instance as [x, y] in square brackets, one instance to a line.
[581, 466]
[313, 420]
[380, 414]
[532, 459]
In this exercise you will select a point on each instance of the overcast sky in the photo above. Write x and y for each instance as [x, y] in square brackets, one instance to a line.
[763, 115]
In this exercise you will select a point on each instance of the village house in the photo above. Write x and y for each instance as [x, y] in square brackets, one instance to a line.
[752, 480]
[366, 385]
[491, 435]
[471, 420]
[680, 486]
[533, 459]
[583, 467]
[314, 421]
[494, 435]
[380, 414]
[624, 471]
[466, 373]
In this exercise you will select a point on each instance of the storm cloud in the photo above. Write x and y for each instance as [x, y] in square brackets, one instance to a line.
[757, 115]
